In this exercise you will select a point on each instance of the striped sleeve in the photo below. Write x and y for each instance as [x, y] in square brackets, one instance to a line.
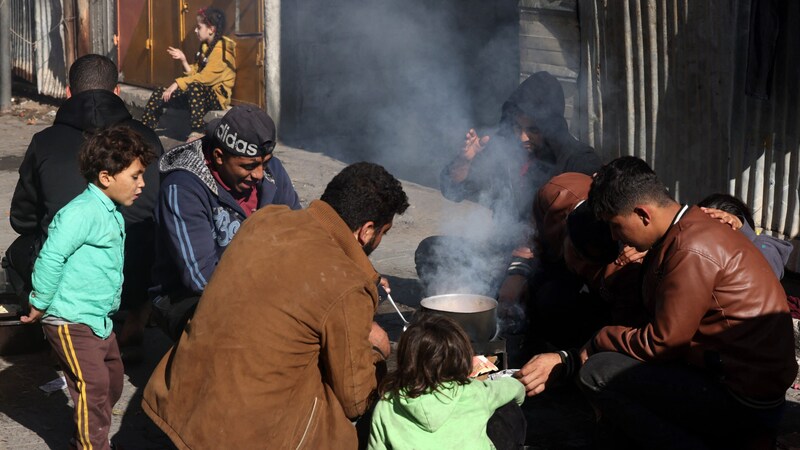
[189, 235]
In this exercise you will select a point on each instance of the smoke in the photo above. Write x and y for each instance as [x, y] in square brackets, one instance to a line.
[396, 82]
[399, 83]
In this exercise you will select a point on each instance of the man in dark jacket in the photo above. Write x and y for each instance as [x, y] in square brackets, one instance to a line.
[49, 178]
[532, 145]
[210, 186]
[710, 367]
[503, 172]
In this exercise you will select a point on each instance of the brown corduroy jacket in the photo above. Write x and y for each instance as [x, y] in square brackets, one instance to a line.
[277, 354]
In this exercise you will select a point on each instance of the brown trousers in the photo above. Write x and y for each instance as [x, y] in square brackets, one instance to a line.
[93, 369]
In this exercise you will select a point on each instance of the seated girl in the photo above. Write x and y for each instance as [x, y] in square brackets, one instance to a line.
[208, 83]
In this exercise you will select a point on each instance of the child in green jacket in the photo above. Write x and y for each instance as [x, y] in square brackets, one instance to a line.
[429, 401]
[77, 278]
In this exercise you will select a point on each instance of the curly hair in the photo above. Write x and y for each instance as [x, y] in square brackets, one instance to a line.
[433, 350]
[623, 183]
[112, 149]
[364, 192]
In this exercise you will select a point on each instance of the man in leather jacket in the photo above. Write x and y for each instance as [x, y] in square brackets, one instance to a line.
[711, 366]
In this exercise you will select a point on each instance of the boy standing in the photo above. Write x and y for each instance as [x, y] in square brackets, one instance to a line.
[77, 278]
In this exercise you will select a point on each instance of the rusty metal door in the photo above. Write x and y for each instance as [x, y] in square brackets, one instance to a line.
[148, 27]
[133, 30]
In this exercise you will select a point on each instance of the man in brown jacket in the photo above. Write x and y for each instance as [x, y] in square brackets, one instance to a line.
[281, 350]
[712, 365]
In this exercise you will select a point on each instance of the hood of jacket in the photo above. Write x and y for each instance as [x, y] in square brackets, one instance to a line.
[229, 55]
[430, 412]
[539, 97]
[92, 109]
[189, 157]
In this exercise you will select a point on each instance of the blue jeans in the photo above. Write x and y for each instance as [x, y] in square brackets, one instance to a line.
[649, 405]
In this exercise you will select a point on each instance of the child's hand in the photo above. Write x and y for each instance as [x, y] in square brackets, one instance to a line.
[168, 91]
[32, 316]
[176, 54]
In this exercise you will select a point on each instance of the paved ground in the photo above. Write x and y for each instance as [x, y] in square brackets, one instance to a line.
[31, 419]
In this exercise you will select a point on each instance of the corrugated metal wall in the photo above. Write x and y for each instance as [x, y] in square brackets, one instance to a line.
[22, 39]
[37, 44]
[550, 40]
[665, 80]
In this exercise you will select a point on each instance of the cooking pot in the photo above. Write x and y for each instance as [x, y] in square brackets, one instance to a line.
[477, 314]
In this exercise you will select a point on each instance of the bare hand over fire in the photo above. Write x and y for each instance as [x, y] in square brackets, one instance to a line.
[473, 144]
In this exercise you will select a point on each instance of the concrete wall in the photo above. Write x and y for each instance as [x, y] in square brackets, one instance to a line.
[549, 40]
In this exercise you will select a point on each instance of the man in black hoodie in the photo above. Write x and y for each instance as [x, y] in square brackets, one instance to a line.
[532, 144]
[49, 178]
[503, 172]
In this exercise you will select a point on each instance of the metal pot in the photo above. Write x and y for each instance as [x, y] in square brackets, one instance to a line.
[477, 314]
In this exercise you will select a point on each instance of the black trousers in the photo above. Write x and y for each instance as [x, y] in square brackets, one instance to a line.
[197, 98]
[655, 406]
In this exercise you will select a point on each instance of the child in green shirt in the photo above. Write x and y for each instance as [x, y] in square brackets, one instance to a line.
[77, 278]
[429, 401]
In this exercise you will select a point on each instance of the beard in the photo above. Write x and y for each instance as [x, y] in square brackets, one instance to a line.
[370, 246]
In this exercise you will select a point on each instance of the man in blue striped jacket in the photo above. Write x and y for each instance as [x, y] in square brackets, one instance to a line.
[210, 186]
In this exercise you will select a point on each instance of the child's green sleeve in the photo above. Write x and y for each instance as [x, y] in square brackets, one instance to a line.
[66, 233]
[504, 390]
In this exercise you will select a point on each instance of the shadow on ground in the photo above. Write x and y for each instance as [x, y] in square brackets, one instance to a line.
[49, 416]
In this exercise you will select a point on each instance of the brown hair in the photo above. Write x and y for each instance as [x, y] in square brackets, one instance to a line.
[433, 350]
[112, 149]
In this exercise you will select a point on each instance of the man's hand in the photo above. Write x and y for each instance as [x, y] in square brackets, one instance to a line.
[732, 220]
[473, 144]
[538, 372]
[32, 316]
[379, 339]
[629, 255]
[168, 91]
[384, 283]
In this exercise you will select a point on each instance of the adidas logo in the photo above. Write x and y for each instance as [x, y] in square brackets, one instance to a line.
[232, 142]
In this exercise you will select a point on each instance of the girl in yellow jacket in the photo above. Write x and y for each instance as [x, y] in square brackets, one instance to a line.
[208, 83]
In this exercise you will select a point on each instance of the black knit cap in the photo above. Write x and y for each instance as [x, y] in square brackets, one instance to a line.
[243, 131]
